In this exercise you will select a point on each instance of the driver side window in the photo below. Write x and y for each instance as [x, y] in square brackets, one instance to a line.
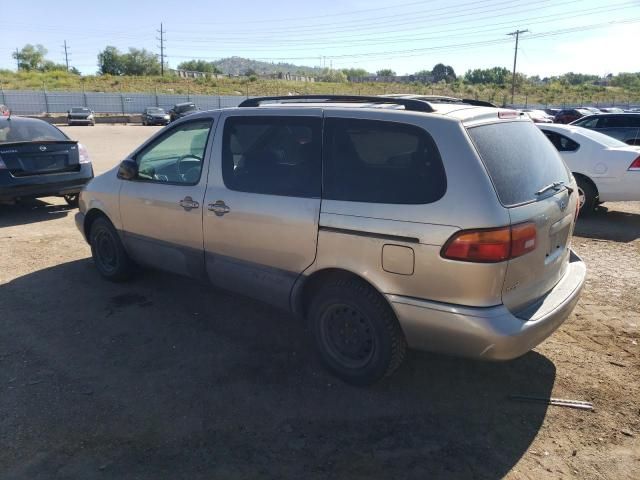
[176, 157]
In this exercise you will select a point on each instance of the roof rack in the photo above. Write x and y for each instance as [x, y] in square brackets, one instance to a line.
[407, 103]
[478, 103]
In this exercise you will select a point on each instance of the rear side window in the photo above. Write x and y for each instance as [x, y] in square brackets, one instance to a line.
[589, 122]
[519, 159]
[562, 143]
[381, 162]
[273, 155]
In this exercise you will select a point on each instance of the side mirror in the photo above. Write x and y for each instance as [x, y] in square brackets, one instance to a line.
[128, 169]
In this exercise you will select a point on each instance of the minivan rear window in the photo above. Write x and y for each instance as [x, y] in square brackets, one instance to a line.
[519, 159]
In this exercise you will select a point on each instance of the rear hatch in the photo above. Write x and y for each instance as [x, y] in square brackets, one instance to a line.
[40, 158]
[533, 183]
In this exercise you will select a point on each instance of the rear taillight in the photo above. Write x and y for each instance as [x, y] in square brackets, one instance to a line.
[635, 165]
[83, 154]
[491, 245]
[508, 114]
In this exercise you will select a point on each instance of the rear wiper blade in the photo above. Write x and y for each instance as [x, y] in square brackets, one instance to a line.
[554, 186]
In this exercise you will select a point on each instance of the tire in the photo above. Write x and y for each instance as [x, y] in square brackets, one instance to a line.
[108, 253]
[587, 195]
[72, 199]
[355, 331]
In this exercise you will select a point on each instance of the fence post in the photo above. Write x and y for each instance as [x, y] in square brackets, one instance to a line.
[122, 102]
[157, 104]
[188, 95]
[84, 94]
[2, 93]
[46, 99]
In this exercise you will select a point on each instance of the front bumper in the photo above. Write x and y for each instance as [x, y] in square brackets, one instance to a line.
[492, 333]
[44, 185]
[80, 120]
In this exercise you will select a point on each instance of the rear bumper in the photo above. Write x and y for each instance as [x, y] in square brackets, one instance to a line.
[492, 333]
[44, 185]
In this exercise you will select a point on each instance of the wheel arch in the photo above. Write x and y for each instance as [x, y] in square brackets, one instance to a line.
[91, 216]
[306, 286]
[587, 179]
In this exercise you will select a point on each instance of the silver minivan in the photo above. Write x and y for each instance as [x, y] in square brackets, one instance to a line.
[386, 223]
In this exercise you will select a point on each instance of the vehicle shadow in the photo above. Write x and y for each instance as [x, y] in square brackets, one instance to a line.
[613, 225]
[30, 211]
[162, 377]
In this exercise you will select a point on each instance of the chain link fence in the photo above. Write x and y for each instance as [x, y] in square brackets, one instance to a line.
[41, 102]
[34, 102]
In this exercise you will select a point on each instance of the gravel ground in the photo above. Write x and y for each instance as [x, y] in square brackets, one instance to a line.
[166, 378]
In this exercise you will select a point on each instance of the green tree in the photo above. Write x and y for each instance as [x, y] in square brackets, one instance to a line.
[31, 57]
[355, 72]
[385, 72]
[199, 66]
[443, 72]
[141, 62]
[328, 75]
[495, 75]
[111, 62]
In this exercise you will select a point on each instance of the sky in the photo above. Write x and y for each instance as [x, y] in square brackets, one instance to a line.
[586, 36]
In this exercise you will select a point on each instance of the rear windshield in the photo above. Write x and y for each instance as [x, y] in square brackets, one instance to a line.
[80, 110]
[155, 110]
[519, 158]
[28, 131]
[186, 108]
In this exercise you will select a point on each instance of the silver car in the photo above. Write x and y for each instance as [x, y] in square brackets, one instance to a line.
[385, 223]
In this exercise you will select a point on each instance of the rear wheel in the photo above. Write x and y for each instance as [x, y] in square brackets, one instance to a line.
[107, 250]
[72, 199]
[356, 332]
[587, 196]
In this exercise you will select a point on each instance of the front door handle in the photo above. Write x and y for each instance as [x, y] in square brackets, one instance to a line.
[189, 203]
[219, 208]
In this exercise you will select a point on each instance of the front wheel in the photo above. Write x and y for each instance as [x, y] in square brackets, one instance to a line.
[356, 332]
[108, 253]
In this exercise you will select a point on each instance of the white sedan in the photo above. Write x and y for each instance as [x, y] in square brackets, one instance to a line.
[605, 169]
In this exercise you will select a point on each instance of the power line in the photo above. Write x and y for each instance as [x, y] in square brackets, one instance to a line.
[66, 55]
[515, 59]
[162, 32]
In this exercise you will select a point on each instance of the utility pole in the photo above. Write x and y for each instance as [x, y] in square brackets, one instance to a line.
[161, 32]
[66, 55]
[515, 59]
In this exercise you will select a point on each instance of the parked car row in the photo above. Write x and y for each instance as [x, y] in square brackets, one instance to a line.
[150, 116]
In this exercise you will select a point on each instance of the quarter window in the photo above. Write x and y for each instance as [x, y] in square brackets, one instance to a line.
[562, 143]
[381, 162]
[273, 155]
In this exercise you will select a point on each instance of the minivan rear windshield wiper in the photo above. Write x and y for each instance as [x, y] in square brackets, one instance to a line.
[555, 186]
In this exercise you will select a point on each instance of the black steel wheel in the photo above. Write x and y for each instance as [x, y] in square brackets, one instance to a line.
[356, 332]
[107, 250]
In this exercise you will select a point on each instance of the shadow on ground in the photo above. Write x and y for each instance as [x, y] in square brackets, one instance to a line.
[29, 211]
[165, 378]
[609, 225]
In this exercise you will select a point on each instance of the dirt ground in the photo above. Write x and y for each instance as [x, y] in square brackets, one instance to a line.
[166, 378]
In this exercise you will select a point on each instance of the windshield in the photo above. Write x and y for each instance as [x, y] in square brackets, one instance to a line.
[519, 158]
[80, 110]
[28, 131]
[155, 110]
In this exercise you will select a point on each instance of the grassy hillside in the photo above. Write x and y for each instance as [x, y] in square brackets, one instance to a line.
[554, 94]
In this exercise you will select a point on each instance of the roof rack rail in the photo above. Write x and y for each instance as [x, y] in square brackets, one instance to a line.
[407, 103]
[478, 103]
